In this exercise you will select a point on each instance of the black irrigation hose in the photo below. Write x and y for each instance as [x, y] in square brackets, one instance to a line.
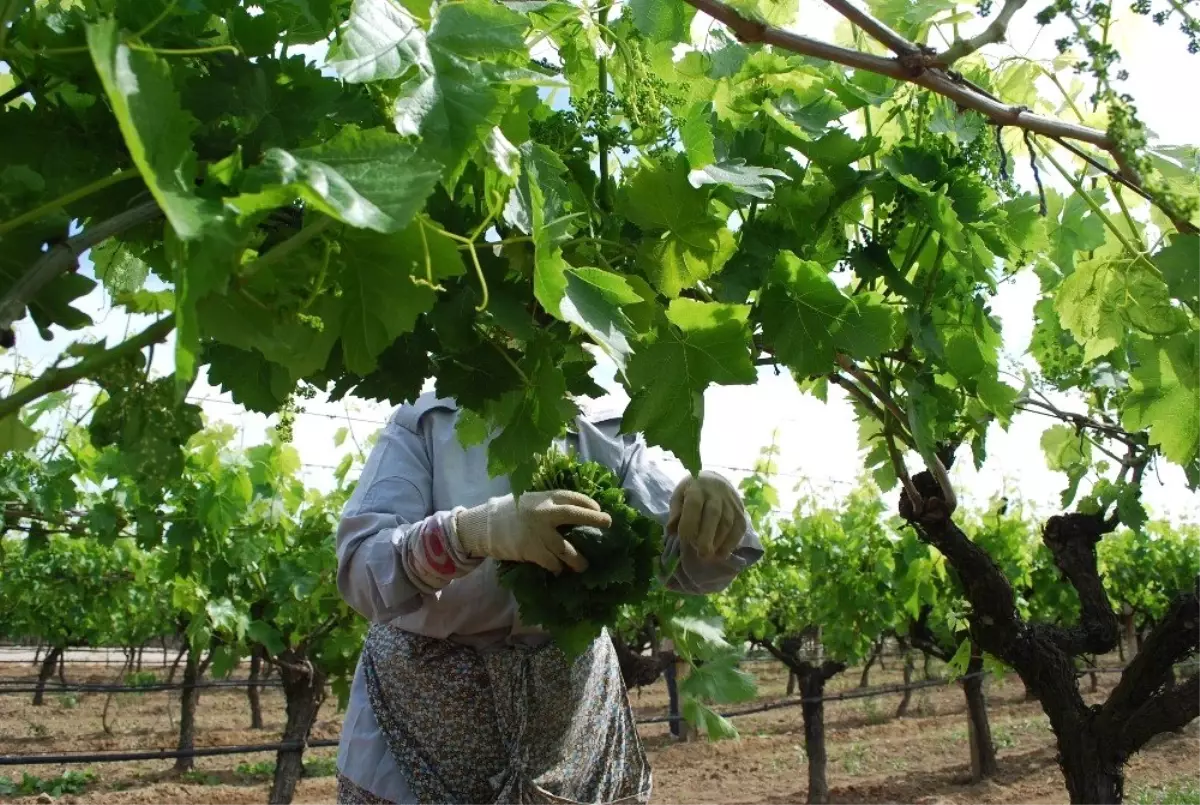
[160, 754]
[168, 754]
[157, 686]
[865, 693]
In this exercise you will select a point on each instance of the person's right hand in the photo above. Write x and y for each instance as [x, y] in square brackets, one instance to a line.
[527, 530]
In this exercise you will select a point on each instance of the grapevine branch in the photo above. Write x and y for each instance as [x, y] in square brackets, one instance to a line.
[914, 71]
[995, 32]
[917, 65]
[57, 379]
[1144, 702]
[62, 256]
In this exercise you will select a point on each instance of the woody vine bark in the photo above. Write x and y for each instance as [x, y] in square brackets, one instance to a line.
[1094, 743]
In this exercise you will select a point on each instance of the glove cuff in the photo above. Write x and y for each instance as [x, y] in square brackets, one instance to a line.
[471, 529]
[433, 555]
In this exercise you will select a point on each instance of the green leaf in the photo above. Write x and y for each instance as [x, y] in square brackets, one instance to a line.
[1104, 297]
[118, 267]
[15, 436]
[382, 40]
[592, 301]
[1068, 452]
[467, 84]
[702, 343]
[370, 179]
[806, 318]
[720, 681]
[153, 303]
[1164, 394]
[780, 13]
[748, 180]
[662, 22]
[687, 242]
[529, 418]
[538, 206]
[267, 635]
[697, 135]
[156, 129]
[254, 382]
[707, 720]
[1180, 266]
[472, 429]
[382, 294]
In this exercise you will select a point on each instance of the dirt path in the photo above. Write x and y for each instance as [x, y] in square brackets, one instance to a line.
[873, 757]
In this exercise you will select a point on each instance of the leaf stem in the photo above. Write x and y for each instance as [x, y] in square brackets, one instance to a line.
[57, 379]
[183, 51]
[154, 23]
[65, 199]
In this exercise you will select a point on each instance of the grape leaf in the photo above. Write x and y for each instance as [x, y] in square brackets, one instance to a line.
[156, 129]
[592, 301]
[15, 435]
[382, 40]
[118, 267]
[1104, 296]
[382, 295]
[371, 179]
[529, 419]
[538, 206]
[702, 343]
[746, 179]
[806, 318]
[686, 241]
[252, 380]
[465, 88]
[696, 134]
[1072, 227]
[662, 22]
[706, 720]
[1164, 394]
[1180, 266]
[1068, 452]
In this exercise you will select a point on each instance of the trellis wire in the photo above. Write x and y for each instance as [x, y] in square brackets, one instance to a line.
[168, 754]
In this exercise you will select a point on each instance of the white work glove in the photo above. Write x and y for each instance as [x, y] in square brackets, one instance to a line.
[527, 530]
[707, 513]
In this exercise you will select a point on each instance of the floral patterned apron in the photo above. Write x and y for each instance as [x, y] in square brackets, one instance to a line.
[514, 724]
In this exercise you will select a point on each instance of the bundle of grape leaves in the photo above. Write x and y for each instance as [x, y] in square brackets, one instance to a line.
[622, 559]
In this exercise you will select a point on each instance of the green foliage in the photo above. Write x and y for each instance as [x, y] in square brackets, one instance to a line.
[69, 782]
[622, 559]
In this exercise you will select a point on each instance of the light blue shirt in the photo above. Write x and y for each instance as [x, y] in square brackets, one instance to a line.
[418, 469]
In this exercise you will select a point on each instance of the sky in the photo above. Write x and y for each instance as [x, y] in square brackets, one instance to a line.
[817, 441]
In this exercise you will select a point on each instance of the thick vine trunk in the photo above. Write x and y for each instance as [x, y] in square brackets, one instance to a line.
[253, 690]
[909, 668]
[189, 698]
[49, 663]
[1089, 776]
[979, 730]
[791, 683]
[304, 688]
[812, 688]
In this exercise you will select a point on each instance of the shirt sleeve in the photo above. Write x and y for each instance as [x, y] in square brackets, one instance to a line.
[388, 529]
[648, 489]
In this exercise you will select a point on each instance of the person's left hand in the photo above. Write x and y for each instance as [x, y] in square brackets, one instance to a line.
[707, 513]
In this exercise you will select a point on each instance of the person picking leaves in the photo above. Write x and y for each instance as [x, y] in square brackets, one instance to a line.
[454, 699]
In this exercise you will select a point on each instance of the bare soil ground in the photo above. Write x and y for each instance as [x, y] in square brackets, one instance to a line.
[873, 757]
